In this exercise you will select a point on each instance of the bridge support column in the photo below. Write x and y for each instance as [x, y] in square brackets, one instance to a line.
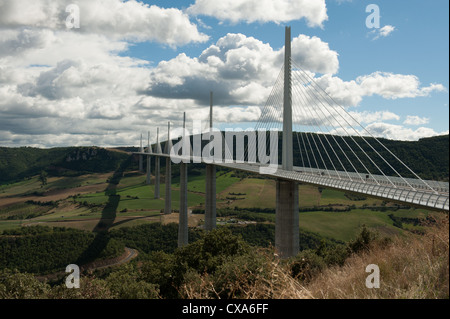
[149, 175]
[287, 219]
[149, 161]
[168, 181]
[210, 201]
[141, 165]
[168, 177]
[141, 158]
[157, 176]
[157, 165]
[183, 219]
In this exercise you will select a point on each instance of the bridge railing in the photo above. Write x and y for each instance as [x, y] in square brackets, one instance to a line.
[374, 185]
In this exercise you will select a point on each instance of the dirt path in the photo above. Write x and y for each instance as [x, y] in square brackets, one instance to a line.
[127, 256]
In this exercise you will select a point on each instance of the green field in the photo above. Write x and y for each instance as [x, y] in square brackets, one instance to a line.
[19, 187]
[132, 202]
[253, 193]
[33, 185]
[346, 225]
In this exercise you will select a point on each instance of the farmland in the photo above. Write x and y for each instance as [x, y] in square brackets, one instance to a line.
[82, 202]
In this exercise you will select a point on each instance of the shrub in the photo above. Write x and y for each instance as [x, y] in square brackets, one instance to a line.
[126, 283]
[16, 285]
[306, 265]
[363, 242]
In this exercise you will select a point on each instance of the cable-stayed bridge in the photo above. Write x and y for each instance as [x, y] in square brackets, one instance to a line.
[334, 151]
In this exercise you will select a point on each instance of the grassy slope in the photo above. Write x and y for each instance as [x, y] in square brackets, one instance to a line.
[346, 225]
[414, 267]
[411, 267]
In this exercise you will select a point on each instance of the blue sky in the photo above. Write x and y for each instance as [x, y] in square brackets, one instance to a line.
[122, 73]
[418, 45]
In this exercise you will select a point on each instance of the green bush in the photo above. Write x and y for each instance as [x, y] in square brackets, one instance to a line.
[306, 265]
[16, 285]
[158, 269]
[126, 283]
[363, 242]
[236, 274]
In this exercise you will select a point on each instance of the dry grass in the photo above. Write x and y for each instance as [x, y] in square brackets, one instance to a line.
[270, 280]
[412, 267]
[416, 267]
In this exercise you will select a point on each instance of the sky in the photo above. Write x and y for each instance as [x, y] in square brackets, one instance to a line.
[103, 72]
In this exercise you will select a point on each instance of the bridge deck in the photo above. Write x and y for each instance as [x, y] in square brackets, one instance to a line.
[395, 189]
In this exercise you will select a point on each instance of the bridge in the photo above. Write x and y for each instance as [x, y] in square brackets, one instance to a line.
[335, 151]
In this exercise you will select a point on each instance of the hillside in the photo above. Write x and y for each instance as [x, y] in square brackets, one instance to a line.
[22, 162]
[427, 157]
[220, 265]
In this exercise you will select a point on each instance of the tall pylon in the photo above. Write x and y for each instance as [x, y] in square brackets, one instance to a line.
[287, 213]
[287, 151]
[157, 165]
[141, 150]
[183, 218]
[210, 198]
[149, 160]
[168, 176]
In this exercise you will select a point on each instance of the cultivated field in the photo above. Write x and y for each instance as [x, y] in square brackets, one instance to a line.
[87, 201]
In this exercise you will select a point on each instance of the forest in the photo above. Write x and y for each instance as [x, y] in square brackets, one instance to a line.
[22, 162]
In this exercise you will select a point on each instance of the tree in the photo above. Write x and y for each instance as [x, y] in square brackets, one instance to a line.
[16, 285]
[126, 283]
[43, 178]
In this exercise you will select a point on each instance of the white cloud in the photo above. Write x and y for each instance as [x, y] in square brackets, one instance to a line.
[394, 86]
[240, 70]
[385, 84]
[370, 117]
[130, 20]
[391, 131]
[399, 132]
[386, 30]
[234, 11]
[416, 120]
[47, 47]
[77, 87]
[312, 54]
[382, 32]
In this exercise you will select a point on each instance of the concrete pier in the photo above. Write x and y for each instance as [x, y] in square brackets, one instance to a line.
[210, 198]
[157, 176]
[168, 176]
[149, 161]
[287, 219]
[148, 181]
[183, 219]
[141, 157]
[157, 166]
[168, 182]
